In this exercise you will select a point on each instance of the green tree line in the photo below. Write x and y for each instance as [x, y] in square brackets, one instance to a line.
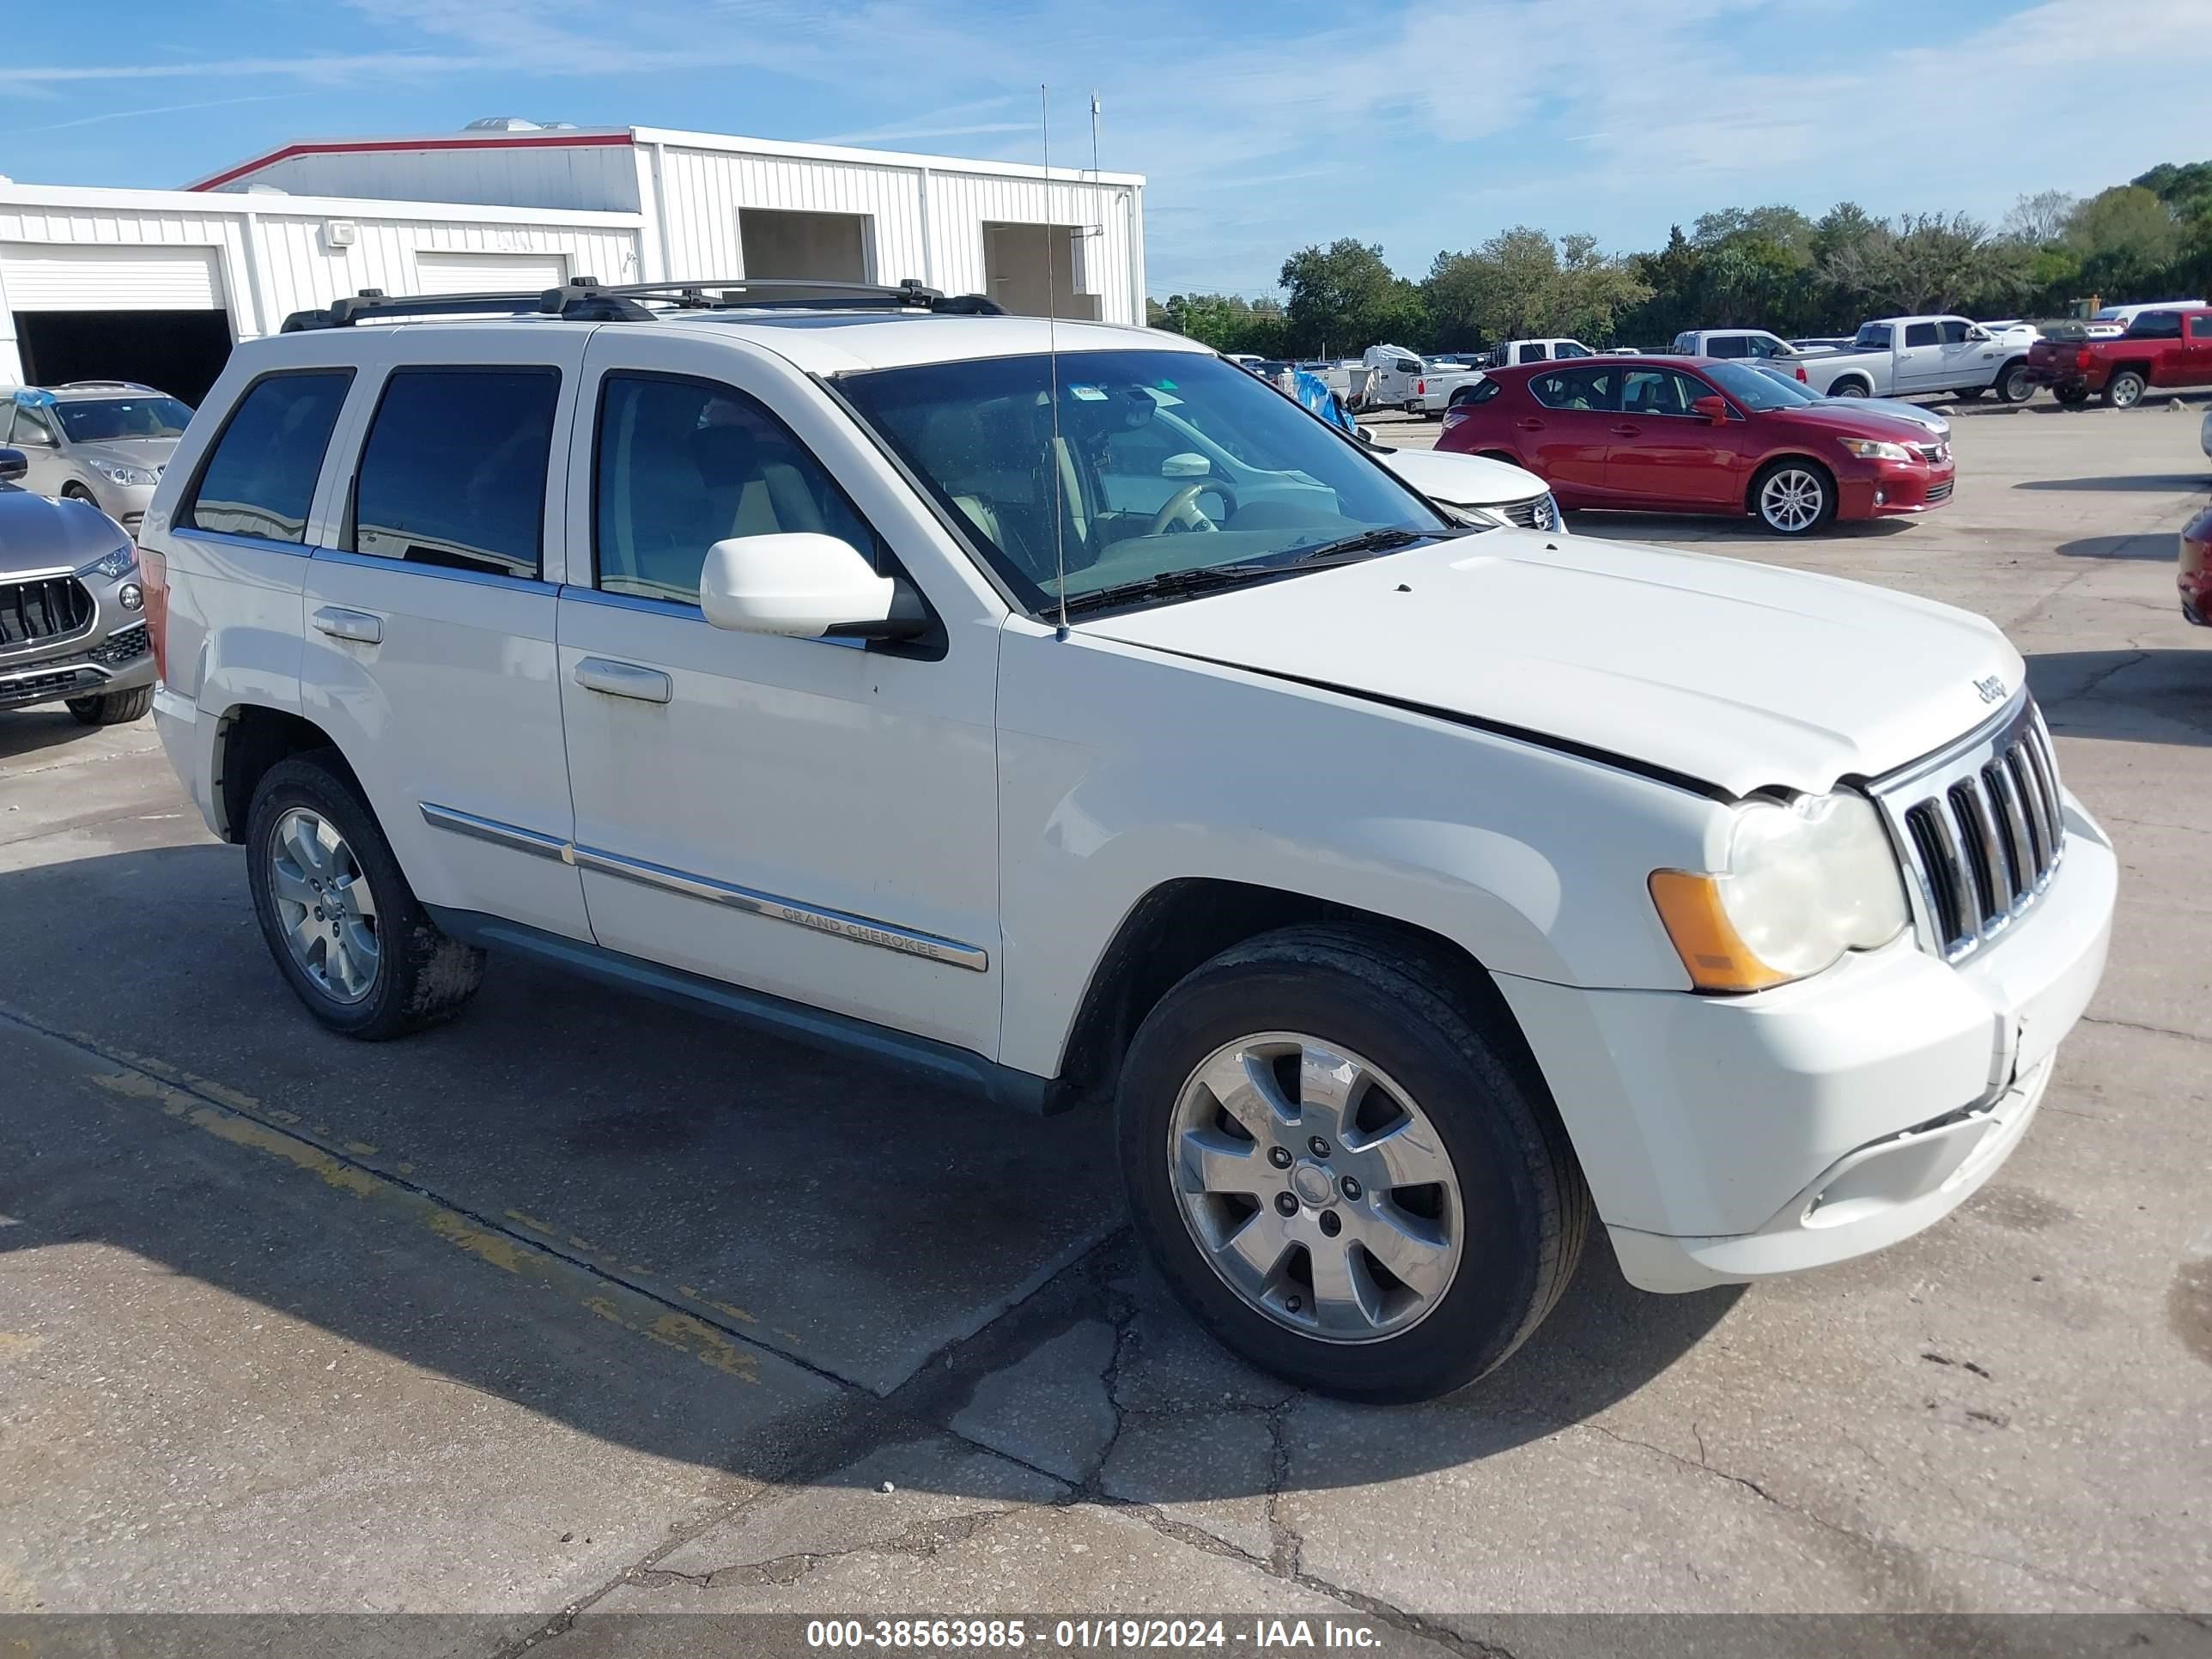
[1763, 267]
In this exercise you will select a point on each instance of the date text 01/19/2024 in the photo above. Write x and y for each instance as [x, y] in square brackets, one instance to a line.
[1262, 1636]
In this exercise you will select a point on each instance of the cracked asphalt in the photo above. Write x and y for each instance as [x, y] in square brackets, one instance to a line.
[583, 1307]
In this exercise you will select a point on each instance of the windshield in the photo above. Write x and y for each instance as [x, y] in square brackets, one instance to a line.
[98, 421]
[1760, 389]
[1165, 462]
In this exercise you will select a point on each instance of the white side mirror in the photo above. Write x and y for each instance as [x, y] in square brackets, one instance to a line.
[1189, 464]
[801, 585]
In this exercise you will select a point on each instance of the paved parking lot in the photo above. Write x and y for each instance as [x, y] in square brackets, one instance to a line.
[583, 1305]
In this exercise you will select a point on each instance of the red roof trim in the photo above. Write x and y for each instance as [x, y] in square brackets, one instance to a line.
[375, 146]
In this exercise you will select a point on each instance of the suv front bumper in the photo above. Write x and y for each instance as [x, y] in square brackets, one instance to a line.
[121, 660]
[1731, 1139]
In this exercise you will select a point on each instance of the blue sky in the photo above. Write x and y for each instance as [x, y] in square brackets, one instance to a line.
[1262, 127]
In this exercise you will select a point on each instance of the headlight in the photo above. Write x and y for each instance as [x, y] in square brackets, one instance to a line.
[117, 473]
[1804, 884]
[1870, 449]
[1486, 518]
[116, 566]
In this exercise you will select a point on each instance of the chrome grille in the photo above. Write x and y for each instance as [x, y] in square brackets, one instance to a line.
[43, 608]
[1939, 492]
[1933, 453]
[1537, 513]
[1981, 828]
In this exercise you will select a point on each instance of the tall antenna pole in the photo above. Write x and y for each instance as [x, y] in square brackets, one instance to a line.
[1052, 356]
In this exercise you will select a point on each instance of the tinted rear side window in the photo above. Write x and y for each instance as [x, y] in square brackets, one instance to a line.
[2156, 325]
[1919, 334]
[260, 479]
[1576, 389]
[453, 472]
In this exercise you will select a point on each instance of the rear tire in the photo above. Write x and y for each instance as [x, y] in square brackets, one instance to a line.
[1966, 394]
[1792, 497]
[1848, 389]
[1487, 1242]
[2014, 384]
[347, 932]
[113, 708]
[2070, 396]
[2124, 390]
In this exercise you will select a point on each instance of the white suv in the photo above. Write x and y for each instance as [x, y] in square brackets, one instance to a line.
[1065, 714]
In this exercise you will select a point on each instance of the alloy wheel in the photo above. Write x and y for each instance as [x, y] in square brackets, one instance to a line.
[324, 906]
[1316, 1188]
[1792, 500]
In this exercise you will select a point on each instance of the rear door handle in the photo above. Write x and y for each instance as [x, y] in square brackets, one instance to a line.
[358, 626]
[625, 679]
[1624, 431]
[1530, 426]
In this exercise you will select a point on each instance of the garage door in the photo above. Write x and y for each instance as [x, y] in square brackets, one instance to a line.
[490, 273]
[67, 277]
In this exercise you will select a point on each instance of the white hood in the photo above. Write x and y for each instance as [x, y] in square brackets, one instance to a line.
[1461, 480]
[1731, 673]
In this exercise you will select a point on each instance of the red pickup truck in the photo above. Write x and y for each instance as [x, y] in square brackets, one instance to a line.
[2171, 348]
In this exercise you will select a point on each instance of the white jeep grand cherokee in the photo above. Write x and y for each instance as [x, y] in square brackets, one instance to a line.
[1094, 720]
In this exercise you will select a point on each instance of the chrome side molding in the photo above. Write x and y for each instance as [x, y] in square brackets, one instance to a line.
[861, 930]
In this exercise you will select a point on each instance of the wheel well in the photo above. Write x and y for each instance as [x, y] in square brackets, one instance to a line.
[2140, 368]
[1751, 490]
[1850, 380]
[251, 740]
[1181, 925]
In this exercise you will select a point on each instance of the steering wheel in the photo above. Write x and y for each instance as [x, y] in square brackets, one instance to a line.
[1181, 507]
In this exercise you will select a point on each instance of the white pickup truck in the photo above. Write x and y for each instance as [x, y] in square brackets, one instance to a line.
[1922, 356]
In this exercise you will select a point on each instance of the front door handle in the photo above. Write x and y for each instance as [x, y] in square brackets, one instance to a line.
[1530, 426]
[358, 626]
[1624, 431]
[625, 679]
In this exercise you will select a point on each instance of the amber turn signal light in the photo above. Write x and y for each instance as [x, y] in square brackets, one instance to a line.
[1690, 908]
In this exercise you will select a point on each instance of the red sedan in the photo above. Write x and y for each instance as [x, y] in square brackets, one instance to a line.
[1692, 434]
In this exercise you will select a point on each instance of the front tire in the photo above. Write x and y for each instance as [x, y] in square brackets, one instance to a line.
[2125, 389]
[1338, 1171]
[113, 708]
[347, 932]
[1792, 497]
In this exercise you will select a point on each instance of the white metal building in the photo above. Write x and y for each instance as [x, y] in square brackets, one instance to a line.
[156, 285]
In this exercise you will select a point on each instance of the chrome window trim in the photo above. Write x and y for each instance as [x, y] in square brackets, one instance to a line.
[861, 930]
[442, 572]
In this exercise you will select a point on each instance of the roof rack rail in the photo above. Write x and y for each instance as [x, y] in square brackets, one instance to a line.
[586, 299]
[345, 311]
[773, 293]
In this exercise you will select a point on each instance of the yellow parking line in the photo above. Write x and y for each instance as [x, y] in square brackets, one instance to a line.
[222, 1113]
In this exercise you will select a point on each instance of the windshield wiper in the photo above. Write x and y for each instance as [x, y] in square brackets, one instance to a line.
[1206, 579]
[1367, 541]
[1171, 584]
